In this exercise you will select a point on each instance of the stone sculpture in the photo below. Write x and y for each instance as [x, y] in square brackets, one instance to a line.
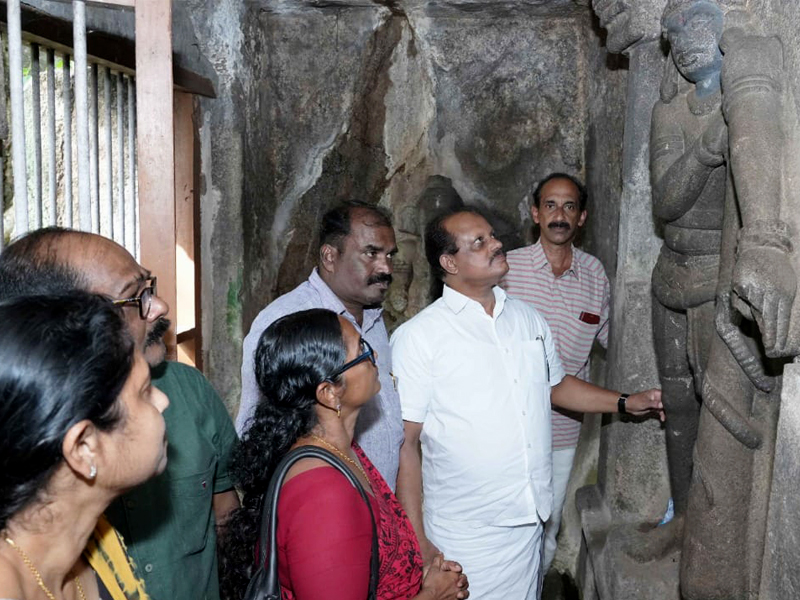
[688, 176]
[728, 501]
[726, 316]
[411, 288]
[628, 22]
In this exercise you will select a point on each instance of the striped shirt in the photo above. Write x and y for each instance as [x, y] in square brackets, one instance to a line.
[576, 306]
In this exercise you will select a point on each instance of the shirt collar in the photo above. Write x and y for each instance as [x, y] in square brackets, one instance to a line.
[456, 301]
[332, 302]
[539, 260]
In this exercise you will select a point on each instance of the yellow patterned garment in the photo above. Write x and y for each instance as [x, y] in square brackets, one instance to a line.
[106, 554]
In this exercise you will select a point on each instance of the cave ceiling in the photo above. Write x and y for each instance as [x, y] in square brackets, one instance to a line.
[544, 8]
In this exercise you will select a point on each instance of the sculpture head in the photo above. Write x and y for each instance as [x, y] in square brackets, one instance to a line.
[629, 22]
[694, 30]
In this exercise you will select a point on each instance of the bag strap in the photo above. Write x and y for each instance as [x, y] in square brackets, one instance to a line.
[269, 517]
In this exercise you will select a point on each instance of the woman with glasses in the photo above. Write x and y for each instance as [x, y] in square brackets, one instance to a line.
[315, 372]
[80, 424]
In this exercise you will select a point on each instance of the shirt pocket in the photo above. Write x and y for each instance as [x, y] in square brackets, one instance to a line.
[192, 497]
[583, 334]
[534, 363]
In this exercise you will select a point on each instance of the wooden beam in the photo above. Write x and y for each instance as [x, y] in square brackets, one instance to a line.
[109, 50]
[156, 148]
[185, 258]
[126, 3]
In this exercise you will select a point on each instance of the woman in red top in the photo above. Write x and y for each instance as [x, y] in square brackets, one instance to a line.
[315, 372]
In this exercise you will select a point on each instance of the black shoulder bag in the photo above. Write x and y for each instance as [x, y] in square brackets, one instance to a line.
[264, 584]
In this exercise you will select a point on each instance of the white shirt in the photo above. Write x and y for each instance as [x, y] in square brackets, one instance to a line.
[480, 386]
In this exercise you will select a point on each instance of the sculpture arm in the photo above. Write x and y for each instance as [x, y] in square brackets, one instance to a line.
[680, 173]
[764, 281]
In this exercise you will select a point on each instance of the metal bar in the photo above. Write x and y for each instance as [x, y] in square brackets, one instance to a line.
[17, 119]
[156, 146]
[67, 102]
[94, 154]
[2, 203]
[134, 201]
[109, 163]
[82, 113]
[52, 181]
[123, 210]
[36, 125]
[125, 3]
[3, 139]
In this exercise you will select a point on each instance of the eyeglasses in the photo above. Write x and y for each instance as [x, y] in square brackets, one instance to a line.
[367, 354]
[144, 300]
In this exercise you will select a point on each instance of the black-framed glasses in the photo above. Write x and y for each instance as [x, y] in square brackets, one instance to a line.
[144, 300]
[367, 354]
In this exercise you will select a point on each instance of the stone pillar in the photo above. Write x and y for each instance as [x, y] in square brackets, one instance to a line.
[633, 485]
[780, 575]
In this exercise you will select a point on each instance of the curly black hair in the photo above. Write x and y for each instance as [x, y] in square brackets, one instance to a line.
[294, 355]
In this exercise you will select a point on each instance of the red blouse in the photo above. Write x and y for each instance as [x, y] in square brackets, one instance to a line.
[325, 538]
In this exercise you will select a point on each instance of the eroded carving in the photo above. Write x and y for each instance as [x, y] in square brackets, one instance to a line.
[410, 289]
[728, 501]
[688, 175]
[629, 22]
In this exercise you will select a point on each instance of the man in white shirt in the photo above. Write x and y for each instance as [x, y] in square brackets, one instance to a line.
[476, 372]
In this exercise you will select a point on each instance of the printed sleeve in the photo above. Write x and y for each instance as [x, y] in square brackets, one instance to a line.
[325, 536]
[411, 370]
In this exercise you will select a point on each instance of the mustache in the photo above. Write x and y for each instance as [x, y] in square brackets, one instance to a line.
[380, 278]
[155, 335]
[559, 225]
[498, 252]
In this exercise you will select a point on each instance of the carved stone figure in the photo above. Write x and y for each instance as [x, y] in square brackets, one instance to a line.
[688, 177]
[410, 289]
[628, 22]
[728, 501]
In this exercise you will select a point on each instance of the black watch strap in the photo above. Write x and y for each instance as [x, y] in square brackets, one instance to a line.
[621, 404]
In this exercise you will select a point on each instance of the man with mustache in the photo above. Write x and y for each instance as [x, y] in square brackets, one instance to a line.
[476, 372]
[169, 523]
[570, 289]
[352, 277]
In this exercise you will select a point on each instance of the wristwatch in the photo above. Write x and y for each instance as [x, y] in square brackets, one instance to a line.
[621, 404]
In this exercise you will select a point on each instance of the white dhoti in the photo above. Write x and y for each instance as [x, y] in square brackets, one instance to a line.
[502, 563]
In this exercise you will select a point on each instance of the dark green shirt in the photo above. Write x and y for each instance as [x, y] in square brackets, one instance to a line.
[168, 523]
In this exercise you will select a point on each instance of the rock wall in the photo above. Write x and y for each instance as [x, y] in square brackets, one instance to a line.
[606, 78]
[221, 125]
[369, 101]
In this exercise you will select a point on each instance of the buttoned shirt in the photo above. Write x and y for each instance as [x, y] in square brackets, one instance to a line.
[379, 430]
[575, 305]
[480, 385]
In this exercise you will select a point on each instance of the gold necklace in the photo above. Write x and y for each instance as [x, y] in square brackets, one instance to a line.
[342, 454]
[37, 575]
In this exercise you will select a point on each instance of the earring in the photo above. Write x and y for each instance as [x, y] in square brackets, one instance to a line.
[339, 411]
[93, 472]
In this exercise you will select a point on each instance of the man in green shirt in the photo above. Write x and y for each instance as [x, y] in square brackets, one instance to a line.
[169, 523]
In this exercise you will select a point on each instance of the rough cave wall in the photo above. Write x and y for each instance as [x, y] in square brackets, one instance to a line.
[221, 123]
[606, 79]
[367, 102]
